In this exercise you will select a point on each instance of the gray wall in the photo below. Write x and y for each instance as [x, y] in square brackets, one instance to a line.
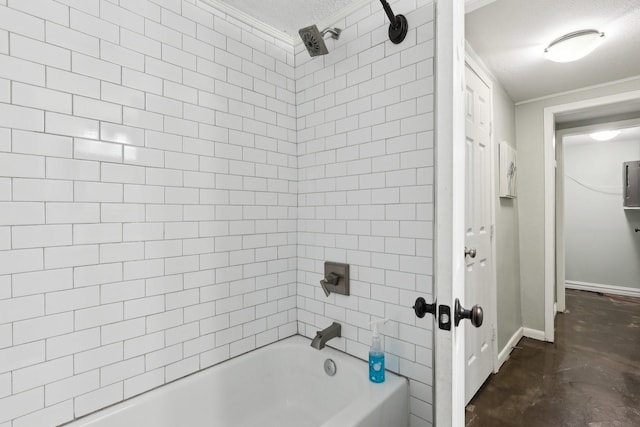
[531, 197]
[507, 235]
[601, 245]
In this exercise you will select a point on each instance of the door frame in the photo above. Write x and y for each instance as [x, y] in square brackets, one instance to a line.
[449, 187]
[490, 312]
[550, 255]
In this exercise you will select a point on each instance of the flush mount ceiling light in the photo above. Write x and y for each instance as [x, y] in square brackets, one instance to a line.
[604, 135]
[573, 46]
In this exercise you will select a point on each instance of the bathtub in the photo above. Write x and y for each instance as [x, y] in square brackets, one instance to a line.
[281, 385]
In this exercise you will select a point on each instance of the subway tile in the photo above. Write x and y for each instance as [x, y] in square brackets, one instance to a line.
[139, 43]
[123, 330]
[142, 231]
[142, 119]
[55, 415]
[70, 256]
[72, 169]
[21, 166]
[96, 68]
[88, 24]
[20, 356]
[89, 6]
[143, 156]
[121, 17]
[41, 328]
[97, 192]
[143, 269]
[5, 238]
[97, 275]
[97, 358]
[21, 308]
[61, 124]
[39, 282]
[122, 134]
[87, 149]
[41, 236]
[123, 173]
[141, 383]
[144, 344]
[74, 299]
[42, 190]
[99, 110]
[18, 22]
[121, 291]
[41, 98]
[21, 213]
[115, 212]
[66, 81]
[5, 189]
[96, 233]
[120, 55]
[98, 316]
[76, 41]
[41, 144]
[144, 307]
[71, 387]
[5, 85]
[122, 370]
[142, 7]
[40, 52]
[72, 343]
[13, 116]
[177, 22]
[72, 213]
[47, 10]
[20, 404]
[117, 252]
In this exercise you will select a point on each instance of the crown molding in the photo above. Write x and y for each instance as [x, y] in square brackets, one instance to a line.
[249, 20]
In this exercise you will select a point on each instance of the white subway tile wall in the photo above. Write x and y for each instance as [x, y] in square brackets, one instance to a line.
[365, 194]
[148, 182]
[172, 180]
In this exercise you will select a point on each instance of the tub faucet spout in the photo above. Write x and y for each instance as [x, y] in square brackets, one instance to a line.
[325, 335]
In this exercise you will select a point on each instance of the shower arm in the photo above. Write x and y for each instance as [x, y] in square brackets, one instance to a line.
[398, 25]
[392, 17]
[335, 32]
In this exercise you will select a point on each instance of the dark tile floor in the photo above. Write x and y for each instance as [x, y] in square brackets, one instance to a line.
[589, 377]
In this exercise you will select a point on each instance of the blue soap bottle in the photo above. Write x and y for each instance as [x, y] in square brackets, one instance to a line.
[376, 354]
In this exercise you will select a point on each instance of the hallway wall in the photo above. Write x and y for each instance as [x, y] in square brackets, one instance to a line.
[602, 247]
[365, 144]
[531, 197]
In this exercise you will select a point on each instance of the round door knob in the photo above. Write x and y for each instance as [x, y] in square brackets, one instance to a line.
[469, 252]
[476, 315]
[421, 307]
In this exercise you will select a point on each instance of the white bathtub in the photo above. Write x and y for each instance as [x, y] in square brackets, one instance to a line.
[281, 385]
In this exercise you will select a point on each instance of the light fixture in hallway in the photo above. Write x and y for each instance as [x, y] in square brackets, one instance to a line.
[573, 46]
[604, 135]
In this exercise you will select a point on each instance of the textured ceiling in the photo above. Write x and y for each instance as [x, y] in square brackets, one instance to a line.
[510, 36]
[289, 15]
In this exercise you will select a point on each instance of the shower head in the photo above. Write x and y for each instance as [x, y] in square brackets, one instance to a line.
[314, 40]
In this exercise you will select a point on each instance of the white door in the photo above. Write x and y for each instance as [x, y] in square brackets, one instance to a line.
[478, 230]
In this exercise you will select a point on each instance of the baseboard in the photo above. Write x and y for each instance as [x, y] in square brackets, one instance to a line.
[533, 334]
[605, 289]
[503, 356]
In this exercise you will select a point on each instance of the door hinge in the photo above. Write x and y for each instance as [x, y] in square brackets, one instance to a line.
[494, 334]
[492, 230]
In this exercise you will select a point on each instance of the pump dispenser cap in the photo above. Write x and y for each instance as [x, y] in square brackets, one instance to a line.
[377, 325]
